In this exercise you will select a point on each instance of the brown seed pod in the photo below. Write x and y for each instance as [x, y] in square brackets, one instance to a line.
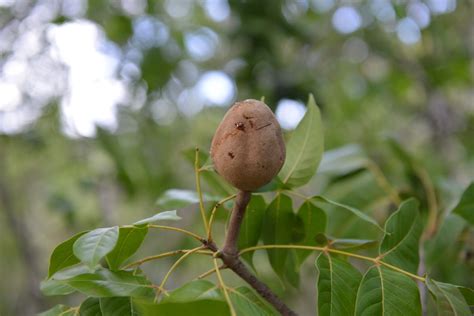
[248, 148]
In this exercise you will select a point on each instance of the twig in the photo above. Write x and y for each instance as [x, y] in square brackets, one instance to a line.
[211, 271]
[230, 256]
[199, 191]
[213, 212]
[184, 231]
[164, 255]
[224, 289]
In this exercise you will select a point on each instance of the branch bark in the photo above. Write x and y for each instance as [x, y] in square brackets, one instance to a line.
[230, 256]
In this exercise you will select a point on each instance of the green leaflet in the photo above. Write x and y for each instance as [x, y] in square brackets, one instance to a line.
[129, 240]
[313, 220]
[251, 227]
[337, 284]
[465, 207]
[63, 255]
[90, 248]
[304, 149]
[403, 228]
[449, 300]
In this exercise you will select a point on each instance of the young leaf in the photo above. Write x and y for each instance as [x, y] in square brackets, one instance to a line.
[176, 199]
[251, 227]
[353, 210]
[130, 239]
[386, 292]
[449, 299]
[112, 306]
[465, 207]
[63, 255]
[162, 216]
[279, 220]
[105, 283]
[304, 149]
[94, 245]
[338, 282]
[314, 222]
[90, 307]
[403, 228]
[59, 310]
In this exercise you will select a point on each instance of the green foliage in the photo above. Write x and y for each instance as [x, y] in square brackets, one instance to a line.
[386, 286]
[465, 207]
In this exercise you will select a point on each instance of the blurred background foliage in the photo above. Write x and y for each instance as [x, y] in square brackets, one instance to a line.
[99, 100]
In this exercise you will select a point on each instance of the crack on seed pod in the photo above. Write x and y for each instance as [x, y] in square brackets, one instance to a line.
[231, 155]
[263, 126]
[240, 126]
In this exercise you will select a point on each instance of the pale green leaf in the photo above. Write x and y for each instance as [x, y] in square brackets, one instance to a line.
[90, 248]
[177, 198]
[353, 210]
[304, 149]
[343, 160]
[247, 303]
[59, 310]
[338, 282]
[162, 216]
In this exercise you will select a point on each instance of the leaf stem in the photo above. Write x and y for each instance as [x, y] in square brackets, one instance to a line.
[211, 271]
[184, 231]
[213, 212]
[224, 288]
[341, 252]
[383, 181]
[177, 263]
[199, 191]
[164, 255]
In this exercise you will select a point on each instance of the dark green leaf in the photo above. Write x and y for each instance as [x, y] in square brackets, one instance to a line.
[468, 295]
[338, 282]
[314, 222]
[130, 239]
[112, 306]
[118, 28]
[304, 149]
[90, 248]
[386, 292]
[105, 283]
[449, 299]
[63, 255]
[90, 307]
[465, 207]
[277, 229]
[251, 227]
[163, 216]
[403, 228]
[351, 209]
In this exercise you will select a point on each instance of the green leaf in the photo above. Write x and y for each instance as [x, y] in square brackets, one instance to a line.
[387, 292]
[403, 228]
[353, 210]
[251, 227]
[279, 220]
[176, 198]
[53, 287]
[90, 248]
[353, 244]
[343, 160]
[449, 299]
[105, 283]
[465, 207]
[59, 310]
[314, 222]
[304, 149]
[163, 216]
[193, 291]
[338, 282]
[194, 308]
[90, 307]
[118, 28]
[112, 306]
[468, 295]
[129, 240]
[63, 255]
[246, 302]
